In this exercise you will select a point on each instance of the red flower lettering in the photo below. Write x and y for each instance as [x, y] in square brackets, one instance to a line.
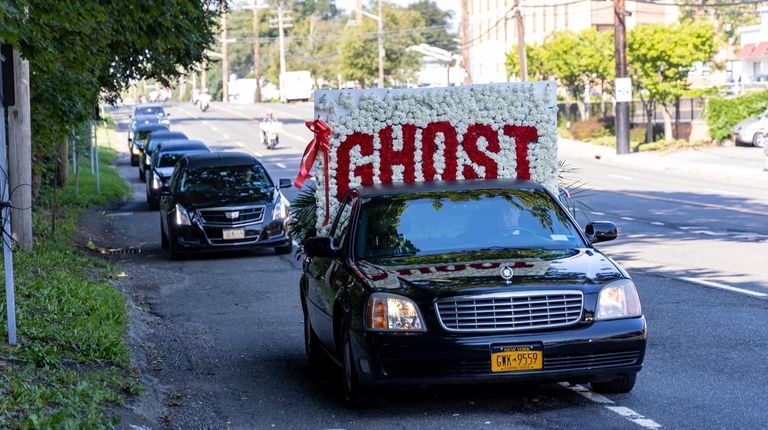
[364, 172]
[475, 132]
[523, 135]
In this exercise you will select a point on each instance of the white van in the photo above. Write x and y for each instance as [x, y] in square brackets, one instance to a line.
[296, 86]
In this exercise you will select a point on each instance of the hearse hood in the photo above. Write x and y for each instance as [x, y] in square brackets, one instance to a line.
[488, 271]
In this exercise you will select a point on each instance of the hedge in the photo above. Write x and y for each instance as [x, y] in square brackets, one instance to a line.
[723, 114]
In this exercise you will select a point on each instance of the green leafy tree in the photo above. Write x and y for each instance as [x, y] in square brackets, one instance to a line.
[359, 48]
[436, 23]
[533, 60]
[660, 57]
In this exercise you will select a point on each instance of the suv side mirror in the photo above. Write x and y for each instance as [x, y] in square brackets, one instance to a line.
[322, 246]
[284, 183]
[601, 231]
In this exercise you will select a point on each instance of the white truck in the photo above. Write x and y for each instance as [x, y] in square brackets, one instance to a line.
[296, 86]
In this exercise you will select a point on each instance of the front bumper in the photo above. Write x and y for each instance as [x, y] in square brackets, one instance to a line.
[258, 235]
[596, 352]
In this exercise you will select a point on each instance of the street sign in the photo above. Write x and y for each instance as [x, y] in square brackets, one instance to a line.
[623, 87]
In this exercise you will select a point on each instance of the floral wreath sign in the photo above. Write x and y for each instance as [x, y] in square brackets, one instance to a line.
[380, 136]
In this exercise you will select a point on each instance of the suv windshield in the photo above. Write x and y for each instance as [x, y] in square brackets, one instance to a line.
[168, 159]
[458, 221]
[149, 110]
[233, 179]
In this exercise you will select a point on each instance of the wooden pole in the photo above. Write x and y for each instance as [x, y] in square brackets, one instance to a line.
[224, 62]
[20, 157]
[620, 48]
[521, 42]
[256, 57]
[465, 42]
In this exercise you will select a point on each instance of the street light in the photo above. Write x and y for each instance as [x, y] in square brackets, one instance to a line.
[380, 38]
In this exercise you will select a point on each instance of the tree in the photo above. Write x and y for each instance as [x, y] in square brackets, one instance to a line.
[436, 22]
[359, 51]
[533, 59]
[659, 58]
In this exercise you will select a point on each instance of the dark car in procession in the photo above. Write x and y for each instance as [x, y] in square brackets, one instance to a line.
[467, 282]
[138, 132]
[152, 110]
[223, 201]
[166, 155]
[154, 139]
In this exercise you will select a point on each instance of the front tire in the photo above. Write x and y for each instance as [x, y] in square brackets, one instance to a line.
[620, 385]
[142, 175]
[759, 140]
[134, 160]
[312, 346]
[355, 395]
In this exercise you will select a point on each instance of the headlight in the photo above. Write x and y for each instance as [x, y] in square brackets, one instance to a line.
[157, 183]
[182, 217]
[148, 161]
[388, 312]
[618, 300]
[282, 208]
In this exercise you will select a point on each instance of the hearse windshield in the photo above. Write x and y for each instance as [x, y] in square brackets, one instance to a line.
[462, 221]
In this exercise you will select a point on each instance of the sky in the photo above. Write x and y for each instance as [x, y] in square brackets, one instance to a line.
[452, 5]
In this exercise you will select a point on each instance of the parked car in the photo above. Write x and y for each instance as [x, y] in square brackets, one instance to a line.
[223, 201]
[751, 131]
[139, 131]
[145, 162]
[166, 155]
[467, 282]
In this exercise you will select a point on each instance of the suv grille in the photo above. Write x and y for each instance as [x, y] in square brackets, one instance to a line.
[510, 311]
[225, 217]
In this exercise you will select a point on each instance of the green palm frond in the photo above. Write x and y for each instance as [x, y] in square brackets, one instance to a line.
[304, 215]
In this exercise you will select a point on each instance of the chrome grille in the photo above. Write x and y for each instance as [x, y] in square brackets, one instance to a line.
[510, 311]
[224, 217]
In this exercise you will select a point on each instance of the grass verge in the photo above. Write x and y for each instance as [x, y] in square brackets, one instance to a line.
[71, 360]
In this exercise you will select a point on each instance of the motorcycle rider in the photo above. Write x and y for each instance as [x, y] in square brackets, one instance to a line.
[269, 118]
[204, 99]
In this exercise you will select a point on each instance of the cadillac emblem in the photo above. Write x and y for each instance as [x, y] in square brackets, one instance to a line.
[232, 215]
[507, 273]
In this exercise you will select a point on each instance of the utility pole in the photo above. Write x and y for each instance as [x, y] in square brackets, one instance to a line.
[256, 57]
[224, 63]
[465, 41]
[358, 11]
[20, 156]
[8, 95]
[521, 42]
[281, 37]
[380, 37]
[622, 107]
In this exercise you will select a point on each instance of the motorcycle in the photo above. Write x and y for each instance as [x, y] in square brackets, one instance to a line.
[270, 133]
[204, 101]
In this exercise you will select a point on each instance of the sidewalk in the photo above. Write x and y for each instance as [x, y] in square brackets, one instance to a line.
[736, 164]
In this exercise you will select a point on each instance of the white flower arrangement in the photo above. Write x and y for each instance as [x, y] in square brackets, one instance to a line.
[480, 131]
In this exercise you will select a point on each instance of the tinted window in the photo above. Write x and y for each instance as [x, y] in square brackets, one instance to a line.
[168, 159]
[228, 178]
[150, 110]
[444, 222]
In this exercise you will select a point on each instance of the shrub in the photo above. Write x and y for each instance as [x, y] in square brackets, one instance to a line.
[589, 129]
[723, 114]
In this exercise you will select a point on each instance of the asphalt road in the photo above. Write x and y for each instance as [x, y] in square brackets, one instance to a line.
[219, 337]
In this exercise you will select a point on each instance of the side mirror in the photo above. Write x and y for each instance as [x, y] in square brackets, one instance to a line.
[285, 183]
[322, 246]
[601, 231]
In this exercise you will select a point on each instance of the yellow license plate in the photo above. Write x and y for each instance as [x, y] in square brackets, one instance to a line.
[516, 358]
[233, 233]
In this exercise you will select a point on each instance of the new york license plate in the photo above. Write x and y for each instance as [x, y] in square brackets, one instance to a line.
[516, 358]
[233, 233]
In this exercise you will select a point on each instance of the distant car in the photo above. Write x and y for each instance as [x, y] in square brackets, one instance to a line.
[155, 138]
[223, 201]
[467, 282]
[152, 110]
[751, 131]
[139, 131]
[165, 156]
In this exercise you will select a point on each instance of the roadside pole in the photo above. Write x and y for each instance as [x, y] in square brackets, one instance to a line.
[620, 46]
[10, 299]
[95, 140]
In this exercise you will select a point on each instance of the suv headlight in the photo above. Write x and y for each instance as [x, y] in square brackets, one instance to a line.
[182, 217]
[156, 182]
[281, 209]
[618, 300]
[388, 312]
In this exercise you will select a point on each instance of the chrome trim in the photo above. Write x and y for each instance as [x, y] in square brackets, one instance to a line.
[464, 311]
[258, 220]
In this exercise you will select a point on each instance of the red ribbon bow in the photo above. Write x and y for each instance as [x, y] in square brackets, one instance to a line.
[320, 142]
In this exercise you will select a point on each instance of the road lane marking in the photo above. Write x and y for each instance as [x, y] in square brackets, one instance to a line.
[225, 136]
[627, 218]
[657, 223]
[598, 213]
[716, 191]
[691, 203]
[258, 154]
[709, 233]
[722, 287]
[256, 120]
[609, 404]
[690, 227]
[281, 165]
[626, 178]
